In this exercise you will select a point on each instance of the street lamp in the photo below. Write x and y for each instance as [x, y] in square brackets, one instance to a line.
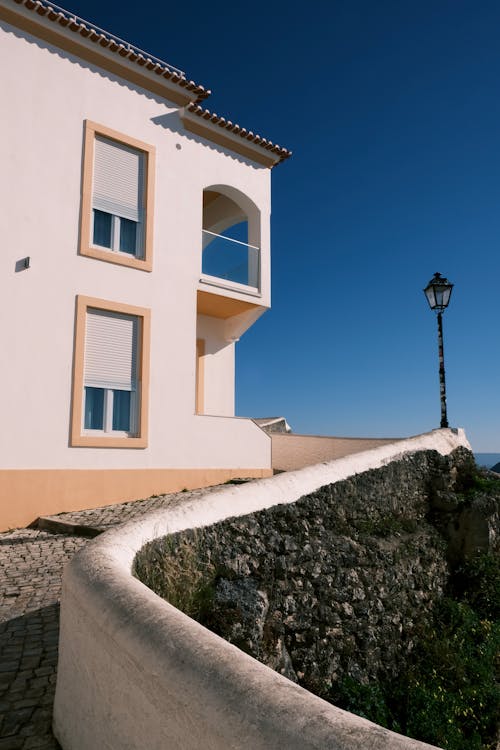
[438, 293]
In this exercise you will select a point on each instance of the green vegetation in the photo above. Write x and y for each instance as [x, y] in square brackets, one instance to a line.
[369, 701]
[472, 484]
[448, 694]
[175, 569]
[451, 695]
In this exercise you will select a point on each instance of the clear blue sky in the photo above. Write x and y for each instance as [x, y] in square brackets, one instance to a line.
[392, 110]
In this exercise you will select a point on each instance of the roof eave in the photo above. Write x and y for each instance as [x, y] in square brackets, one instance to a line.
[85, 42]
[219, 130]
[82, 39]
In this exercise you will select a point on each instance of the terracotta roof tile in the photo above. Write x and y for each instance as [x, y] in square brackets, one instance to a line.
[68, 20]
[281, 152]
[135, 56]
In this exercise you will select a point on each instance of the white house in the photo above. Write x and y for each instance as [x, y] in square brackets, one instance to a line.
[135, 253]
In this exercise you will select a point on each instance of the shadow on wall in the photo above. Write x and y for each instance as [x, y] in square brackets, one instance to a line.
[171, 121]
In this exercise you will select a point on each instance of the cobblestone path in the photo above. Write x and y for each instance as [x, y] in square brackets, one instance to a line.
[31, 565]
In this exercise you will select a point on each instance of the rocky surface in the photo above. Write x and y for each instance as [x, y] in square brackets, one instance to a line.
[339, 583]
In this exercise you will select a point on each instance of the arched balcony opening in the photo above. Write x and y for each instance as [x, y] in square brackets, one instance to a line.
[231, 239]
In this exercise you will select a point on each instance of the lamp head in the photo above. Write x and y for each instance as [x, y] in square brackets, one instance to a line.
[438, 292]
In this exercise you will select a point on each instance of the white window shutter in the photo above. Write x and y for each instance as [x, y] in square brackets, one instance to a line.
[118, 179]
[110, 350]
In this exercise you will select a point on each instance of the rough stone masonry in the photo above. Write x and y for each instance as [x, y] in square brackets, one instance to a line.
[338, 583]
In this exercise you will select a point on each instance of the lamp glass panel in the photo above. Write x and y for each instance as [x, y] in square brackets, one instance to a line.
[439, 291]
[431, 297]
[446, 295]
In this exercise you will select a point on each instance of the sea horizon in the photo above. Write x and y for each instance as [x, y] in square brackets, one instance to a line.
[487, 459]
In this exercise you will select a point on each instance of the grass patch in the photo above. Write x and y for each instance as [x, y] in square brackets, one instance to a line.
[474, 484]
[176, 569]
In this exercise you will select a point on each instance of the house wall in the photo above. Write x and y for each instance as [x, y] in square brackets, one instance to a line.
[48, 95]
[218, 367]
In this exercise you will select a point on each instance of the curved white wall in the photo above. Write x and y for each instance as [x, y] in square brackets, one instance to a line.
[136, 673]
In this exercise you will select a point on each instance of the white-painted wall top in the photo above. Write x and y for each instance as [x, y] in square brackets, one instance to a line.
[152, 672]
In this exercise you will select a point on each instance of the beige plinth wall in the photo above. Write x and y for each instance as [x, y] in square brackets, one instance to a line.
[292, 451]
[136, 673]
[31, 493]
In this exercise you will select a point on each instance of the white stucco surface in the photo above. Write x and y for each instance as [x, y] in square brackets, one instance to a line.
[52, 93]
[134, 672]
[218, 367]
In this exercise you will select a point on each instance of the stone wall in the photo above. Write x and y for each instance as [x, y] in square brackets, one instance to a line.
[151, 671]
[338, 583]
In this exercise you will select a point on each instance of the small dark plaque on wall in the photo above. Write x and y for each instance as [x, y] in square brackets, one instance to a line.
[23, 264]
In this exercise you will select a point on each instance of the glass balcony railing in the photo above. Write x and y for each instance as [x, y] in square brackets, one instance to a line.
[232, 260]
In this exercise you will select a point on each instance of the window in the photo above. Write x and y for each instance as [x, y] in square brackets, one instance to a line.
[117, 197]
[230, 241]
[117, 200]
[110, 371]
[109, 384]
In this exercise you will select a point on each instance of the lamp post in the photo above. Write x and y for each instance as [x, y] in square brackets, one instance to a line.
[438, 293]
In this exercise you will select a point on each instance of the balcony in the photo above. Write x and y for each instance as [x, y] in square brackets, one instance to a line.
[229, 263]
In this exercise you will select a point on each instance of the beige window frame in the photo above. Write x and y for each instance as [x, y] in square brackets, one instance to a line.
[86, 247]
[78, 437]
